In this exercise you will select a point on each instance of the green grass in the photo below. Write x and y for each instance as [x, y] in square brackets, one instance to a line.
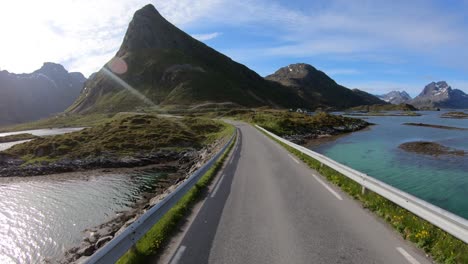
[123, 135]
[290, 123]
[150, 244]
[443, 247]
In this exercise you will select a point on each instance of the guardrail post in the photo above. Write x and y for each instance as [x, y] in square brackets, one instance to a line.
[364, 190]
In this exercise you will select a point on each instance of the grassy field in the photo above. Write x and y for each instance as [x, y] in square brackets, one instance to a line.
[150, 244]
[291, 123]
[123, 135]
[441, 246]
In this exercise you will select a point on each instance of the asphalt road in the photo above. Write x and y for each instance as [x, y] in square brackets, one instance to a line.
[268, 207]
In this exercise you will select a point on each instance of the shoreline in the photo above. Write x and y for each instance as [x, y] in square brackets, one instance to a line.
[97, 236]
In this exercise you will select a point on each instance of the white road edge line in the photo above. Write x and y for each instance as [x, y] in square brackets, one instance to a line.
[328, 187]
[217, 186]
[293, 158]
[407, 256]
[178, 255]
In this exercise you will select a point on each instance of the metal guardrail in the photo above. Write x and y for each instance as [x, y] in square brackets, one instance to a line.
[449, 222]
[119, 245]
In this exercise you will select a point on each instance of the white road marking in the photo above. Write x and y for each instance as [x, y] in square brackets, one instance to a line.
[293, 158]
[328, 187]
[217, 186]
[407, 256]
[178, 255]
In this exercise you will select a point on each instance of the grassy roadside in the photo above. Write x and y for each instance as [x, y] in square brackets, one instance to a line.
[285, 123]
[441, 246]
[150, 244]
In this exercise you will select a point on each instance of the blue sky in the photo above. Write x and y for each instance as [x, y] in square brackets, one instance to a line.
[376, 46]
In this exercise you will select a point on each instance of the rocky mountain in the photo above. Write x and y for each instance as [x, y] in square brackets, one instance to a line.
[318, 89]
[440, 95]
[396, 97]
[158, 64]
[27, 97]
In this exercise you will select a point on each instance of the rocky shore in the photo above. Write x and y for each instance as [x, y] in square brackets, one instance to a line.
[96, 237]
[13, 166]
[302, 139]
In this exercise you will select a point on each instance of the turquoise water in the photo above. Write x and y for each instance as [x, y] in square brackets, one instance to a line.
[442, 181]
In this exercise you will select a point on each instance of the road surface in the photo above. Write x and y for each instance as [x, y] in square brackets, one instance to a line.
[268, 207]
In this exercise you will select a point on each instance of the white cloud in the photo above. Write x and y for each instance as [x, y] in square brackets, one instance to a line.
[205, 37]
[84, 34]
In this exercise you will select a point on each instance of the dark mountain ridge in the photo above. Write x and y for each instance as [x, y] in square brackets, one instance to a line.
[48, 90]
[169, 67]
[318, 89]
[164, 66]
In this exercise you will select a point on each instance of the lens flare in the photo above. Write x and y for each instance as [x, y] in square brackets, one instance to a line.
[129, 88]
[117, 65]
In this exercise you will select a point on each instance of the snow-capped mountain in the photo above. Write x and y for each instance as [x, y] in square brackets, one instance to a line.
[396, 97]
[440, 95]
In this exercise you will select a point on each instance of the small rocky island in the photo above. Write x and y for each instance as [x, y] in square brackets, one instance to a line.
[455, 115]
[430, 148]
[434, 126]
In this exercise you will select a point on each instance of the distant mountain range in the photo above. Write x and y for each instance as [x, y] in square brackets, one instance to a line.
[27, 97]
[163, 65]
[396, 97]
[440, 95]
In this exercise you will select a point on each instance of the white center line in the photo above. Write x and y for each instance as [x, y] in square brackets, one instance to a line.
[217, 186]
[178, 255]
[293, 158]
[407, 256]
[328, 187]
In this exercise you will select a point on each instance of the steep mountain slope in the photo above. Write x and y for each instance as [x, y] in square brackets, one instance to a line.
[27, 97]
[396, 97]
[319, 90]
[162, 65]
[440, 95]
[369, 99]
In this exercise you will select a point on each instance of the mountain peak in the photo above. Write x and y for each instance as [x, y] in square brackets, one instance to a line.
[149, 30]
[297, 70]
[436, 88]
[440, 94]
[396, 97]
[149, 8]
[49, 67]
[318, 88]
